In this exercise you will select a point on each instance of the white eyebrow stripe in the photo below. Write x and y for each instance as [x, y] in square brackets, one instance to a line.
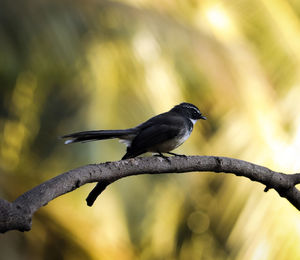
[197, 110]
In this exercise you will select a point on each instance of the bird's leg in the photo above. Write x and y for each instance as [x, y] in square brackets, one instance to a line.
[159, 154]
[176, 154]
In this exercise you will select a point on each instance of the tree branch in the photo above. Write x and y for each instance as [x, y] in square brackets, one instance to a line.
[18, 215]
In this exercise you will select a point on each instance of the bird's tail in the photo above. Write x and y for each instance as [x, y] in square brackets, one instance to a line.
[87, 136]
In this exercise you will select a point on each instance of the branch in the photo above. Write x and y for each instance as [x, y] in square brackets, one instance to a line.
[18, 215]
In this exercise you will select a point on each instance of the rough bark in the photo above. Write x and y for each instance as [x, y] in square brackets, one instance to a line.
[17, 215]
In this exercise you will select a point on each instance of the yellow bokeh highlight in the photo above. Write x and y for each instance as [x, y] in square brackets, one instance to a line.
[18, 132]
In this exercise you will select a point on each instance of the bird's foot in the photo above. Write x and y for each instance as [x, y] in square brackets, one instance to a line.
[162, 156]
[176, 154]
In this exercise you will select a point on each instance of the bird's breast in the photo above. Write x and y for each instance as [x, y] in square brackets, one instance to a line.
[173, 143]
[181, 139]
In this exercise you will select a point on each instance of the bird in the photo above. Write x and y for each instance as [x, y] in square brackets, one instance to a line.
[159, 134]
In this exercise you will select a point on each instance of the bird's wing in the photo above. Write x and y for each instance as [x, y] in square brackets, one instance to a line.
[150, 137]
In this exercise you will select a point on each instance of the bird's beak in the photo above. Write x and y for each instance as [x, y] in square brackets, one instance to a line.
[203, 117]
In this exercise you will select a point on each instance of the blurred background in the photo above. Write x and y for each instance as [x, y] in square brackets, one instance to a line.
[69, 66]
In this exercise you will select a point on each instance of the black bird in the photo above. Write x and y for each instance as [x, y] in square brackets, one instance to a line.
[160, 134]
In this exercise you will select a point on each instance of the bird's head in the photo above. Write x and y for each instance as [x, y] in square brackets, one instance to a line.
[188, 110]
